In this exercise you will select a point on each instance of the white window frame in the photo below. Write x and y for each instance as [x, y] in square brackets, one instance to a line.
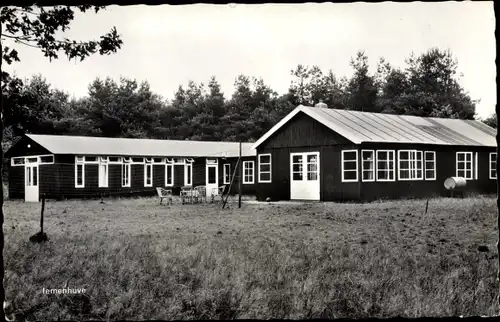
[148, 162]
[476, 163]
[103, 179]
[171, 166]
[363, 170]
[210, 161]
[472, 170]
[77, 163]
[493, 167]
[85, 160]
[186, 181]
[119, 161]
[414, 156]
[343, 161]
[127, 163]
[24, 159]
[13, 164]
[226, 171]
[158, 160]
[270, 168]
[434, 172]
[389, 153]
[179, 161]
[245, 164]
[137, 162]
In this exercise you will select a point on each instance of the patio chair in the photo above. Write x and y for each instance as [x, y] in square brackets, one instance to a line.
[186, 194]
[201, 194]
[218, 193]
[164, 194]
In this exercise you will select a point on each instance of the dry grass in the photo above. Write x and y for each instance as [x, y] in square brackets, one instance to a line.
[139, 260]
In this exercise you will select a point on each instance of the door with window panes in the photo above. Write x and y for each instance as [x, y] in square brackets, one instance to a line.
[31, 189]
[304, 181]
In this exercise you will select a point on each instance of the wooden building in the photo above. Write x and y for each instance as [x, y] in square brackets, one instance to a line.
[79, 167]
[317, 153]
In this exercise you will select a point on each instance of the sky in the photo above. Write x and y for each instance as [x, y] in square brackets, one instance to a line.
[170, 45]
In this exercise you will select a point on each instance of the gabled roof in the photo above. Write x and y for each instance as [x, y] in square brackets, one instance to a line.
[87, 145]
[362, 127]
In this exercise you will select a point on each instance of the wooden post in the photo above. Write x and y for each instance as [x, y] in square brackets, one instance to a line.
[231, 184]
[240, 182]
[41, 215]
[426, 206]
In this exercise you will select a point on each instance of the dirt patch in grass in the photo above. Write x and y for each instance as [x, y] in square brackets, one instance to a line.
[140, 260]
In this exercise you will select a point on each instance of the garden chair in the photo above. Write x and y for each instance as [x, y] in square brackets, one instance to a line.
[186, 194]
[164, 194]
[218, 193]
[201, 193]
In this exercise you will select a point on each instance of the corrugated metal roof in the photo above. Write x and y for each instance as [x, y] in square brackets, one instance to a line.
[359, 127]
[86, 145]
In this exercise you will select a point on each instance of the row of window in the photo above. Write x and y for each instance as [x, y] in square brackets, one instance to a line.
[103, 170]
[380, 165]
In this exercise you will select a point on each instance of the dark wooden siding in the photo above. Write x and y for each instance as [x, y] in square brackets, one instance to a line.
[58, 180]
[303, 131]
[331, 187]
[303, 134]
[16, 182]
[21, 148]
[445, 168]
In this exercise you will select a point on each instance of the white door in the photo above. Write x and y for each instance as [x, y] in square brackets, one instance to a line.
[31, 191]
[304, 176]
[212, 179]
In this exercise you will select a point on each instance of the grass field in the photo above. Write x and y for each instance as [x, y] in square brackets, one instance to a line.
[139, 260]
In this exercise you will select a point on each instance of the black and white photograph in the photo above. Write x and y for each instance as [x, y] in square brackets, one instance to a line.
[249, 161]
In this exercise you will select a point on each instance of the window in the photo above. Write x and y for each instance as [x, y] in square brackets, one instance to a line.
[169, 175]
[386, 170]
[90, 159]
[475, 166]
[138, 160]
[158, 160]
[312, 167]
[264, 168]
[115, 160]
[297, 167]
[103, 172]
[410, 165]
[464, 165]
[148, 172]
[47, 159]
[430, 165]
[248, 170]
[79, 172]
[188, 174]
[493, 165]
[350, 166]
[227, 173]
[17, 162]
[126, 172]
[368, 165]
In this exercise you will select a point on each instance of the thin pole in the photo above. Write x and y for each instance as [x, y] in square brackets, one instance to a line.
[240, 181]
[231, 184]
[41, 215]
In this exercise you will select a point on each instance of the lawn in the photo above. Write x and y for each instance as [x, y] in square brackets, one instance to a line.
[139, 260]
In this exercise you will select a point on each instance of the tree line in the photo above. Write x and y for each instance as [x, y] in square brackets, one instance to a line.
[426, 86]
